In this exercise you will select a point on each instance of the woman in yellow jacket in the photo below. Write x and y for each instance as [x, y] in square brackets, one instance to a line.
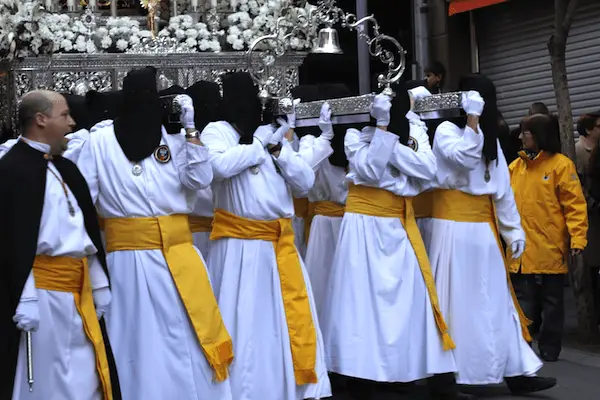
[554, 216]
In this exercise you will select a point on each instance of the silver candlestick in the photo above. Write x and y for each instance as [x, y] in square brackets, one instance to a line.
[29, 362]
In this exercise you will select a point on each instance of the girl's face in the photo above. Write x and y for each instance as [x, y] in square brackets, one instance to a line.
[528, 141]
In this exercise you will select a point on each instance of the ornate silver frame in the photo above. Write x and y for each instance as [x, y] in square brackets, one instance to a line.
[105, 72]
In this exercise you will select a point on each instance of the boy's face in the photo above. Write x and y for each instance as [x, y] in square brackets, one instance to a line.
[433, 80]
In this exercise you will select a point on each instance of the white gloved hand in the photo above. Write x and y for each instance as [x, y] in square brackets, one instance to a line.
[264, 133]
[517, 248]
[187, 110]
[380, 109]
[27, 316]
[102, 299]
[419, 93]
[280, 132]
[472, 103]
[291, 118]
[325, 122]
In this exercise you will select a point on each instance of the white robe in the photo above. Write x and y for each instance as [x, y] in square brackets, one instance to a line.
[468, 266]
[298, 222]
[378, 321]
[64, 360]
[245, 273]
[156, 350]
[203, 208]
[329, 185]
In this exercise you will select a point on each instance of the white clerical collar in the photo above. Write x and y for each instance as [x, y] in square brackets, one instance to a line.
[43, 147]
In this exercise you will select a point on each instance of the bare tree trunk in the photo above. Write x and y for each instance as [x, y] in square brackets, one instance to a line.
[564, 11]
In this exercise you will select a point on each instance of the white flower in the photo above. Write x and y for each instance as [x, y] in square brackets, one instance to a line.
[191, 42]
[180, 34]
[106, 42]
[133, 40]
[102, 31]
[238, 44]
[90, 47]
[191, 33]
[122, 44]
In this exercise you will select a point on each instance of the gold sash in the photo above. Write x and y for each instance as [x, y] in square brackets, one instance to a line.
[200, 224]
[423, 204]
[67, 274]
[382, 203]
[301, 207]
[301, 328]
[325, 208]
[172, 235]
[454, 205]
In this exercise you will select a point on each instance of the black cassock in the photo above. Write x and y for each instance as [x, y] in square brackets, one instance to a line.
[22, 189]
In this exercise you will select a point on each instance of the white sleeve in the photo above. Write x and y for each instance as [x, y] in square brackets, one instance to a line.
[314, 150]
[76, 142]
[98, 278]
[369, 159]
[418, 162]
[86, 163]
[192, 163]
[29, 292]
[296, 172]
[509, 220]
[463, 150]
[228, 161]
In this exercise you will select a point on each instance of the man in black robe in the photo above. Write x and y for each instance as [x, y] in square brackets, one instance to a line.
[47, 217]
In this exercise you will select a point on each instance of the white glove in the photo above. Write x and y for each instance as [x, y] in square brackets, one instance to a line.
[264, 133]
[380, 109]
[325, 122]
[517, 248]
[419, 93]
[291, 118]
[102, 299]
[187, 110]
[472, 103]
[278, 135]
[27, 316]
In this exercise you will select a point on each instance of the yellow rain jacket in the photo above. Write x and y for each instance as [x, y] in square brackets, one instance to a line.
[553, 212]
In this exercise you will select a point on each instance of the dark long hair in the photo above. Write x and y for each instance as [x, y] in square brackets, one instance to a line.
[545, 131]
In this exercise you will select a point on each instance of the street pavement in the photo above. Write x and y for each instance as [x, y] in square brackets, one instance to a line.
[578, 375]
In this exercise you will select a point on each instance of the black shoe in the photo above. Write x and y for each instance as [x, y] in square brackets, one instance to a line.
[529, 384]
[444, 387]
[548, 357]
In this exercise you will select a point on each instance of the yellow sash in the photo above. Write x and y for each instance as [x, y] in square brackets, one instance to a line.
[301, 207]
[454, 205]
[172, 235]
[423, 204]
[381, 203]
[325, 208]
[66, 274]
[200, 224]
[301, 328]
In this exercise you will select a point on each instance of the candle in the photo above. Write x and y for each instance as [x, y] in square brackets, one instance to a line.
[174, 12]
[233, 4]
[49, 5]
[213, 3]
[71, 4]
[92, 4]
[194, 5]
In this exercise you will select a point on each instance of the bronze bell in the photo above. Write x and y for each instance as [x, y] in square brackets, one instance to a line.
[328, 42]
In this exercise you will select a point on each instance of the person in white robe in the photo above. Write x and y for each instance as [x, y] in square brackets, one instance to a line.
[328, 195]
[207, 105]
[470, 204]
[168, 336]
[259, 278]
[66, 290]
[381, 321]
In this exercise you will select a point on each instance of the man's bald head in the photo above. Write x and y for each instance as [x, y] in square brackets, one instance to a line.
[34, 102]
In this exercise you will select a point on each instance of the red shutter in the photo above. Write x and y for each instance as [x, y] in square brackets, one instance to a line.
[459, 6]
